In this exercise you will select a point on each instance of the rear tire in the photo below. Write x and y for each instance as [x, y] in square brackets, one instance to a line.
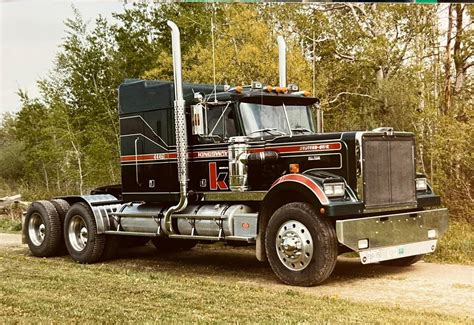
[80, 234]
[404, 261]
[172, 245]
[301, 246]
[61, 206]
[43, 229]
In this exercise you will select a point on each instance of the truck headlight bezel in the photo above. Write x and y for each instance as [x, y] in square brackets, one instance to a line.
[421, 184]
[335, 189]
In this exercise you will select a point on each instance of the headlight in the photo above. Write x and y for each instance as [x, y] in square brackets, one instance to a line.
[421, 184]
[334, 189]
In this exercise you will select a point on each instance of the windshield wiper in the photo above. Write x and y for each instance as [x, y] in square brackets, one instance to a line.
[267, 130]
[302, 130]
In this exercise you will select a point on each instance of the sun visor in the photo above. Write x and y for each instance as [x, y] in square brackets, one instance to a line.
[278, 100]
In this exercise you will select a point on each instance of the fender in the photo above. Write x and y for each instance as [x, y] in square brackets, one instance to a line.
[102, 206]
[288, 188]
[305, 180]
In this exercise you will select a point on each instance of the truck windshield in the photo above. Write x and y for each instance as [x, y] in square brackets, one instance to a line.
[258, 119]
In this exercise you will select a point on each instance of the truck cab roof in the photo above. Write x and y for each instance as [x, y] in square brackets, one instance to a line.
[147, 95]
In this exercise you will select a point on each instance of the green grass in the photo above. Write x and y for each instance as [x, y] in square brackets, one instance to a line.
[10, 225]
[59, 290]
[456, 246]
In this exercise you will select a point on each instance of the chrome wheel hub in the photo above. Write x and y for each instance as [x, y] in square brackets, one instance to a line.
[36, 229]
[294, 245]
[77, 233]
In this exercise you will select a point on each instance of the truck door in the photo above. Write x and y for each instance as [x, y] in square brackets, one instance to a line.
[209, 158]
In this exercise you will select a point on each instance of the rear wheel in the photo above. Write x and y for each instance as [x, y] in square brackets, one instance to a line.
[301, 246]
[61, 207]
[43, 229]
[172, 245]
[80, 234]
[404, 261]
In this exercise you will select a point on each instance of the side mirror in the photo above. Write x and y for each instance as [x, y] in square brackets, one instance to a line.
[198, 119]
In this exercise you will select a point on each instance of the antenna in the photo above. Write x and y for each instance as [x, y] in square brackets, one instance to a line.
[213, 59]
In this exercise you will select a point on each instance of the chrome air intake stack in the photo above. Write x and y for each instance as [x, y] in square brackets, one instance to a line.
[180, 129]
[238, 170]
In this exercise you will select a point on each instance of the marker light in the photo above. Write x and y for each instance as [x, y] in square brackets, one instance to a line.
[269, 89]
[293, 87]
[432, 233]
[281, 90]
[238, 89]
[334, 189]
[294, 168]
[421, 184]
[363, 243]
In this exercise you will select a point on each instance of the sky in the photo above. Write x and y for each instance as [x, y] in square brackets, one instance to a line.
[30, 34]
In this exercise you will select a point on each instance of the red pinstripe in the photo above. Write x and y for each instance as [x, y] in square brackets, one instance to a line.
[308, 182]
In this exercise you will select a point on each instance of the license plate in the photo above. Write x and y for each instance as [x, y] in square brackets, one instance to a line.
[392, 252]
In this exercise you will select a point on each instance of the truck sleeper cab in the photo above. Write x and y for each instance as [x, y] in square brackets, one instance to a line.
[205, 163]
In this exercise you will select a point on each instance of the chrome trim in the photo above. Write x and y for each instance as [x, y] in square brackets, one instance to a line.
[392, 229]
[180, 129]
[397, 251]
[36, 229]
[234, 196]
[360, 176]
[294, 245]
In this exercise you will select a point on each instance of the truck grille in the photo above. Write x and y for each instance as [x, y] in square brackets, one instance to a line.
[388, 170]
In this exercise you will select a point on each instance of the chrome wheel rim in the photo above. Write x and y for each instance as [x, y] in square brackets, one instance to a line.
[78, 233]
[36, 229]
[294, 245]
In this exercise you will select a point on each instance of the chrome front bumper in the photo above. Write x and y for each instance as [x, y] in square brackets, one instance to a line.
[393, 236]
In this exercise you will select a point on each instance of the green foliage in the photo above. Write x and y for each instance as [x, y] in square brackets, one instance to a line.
[371, 66]
[457, 246]
[8, 224]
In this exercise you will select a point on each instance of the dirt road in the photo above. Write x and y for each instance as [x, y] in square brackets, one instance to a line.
[423, 286]
[10, 240]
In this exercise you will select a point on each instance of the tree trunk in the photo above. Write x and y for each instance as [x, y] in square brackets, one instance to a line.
[448, 63]
[46, 180]
[458, 58]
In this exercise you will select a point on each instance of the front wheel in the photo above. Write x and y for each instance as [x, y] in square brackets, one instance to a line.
[301, 246]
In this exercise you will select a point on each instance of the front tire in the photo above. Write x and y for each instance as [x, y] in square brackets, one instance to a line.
[301, 246]
[80, 234]
[43, 229]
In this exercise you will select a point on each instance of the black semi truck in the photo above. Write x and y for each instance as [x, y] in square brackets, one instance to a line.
[206, 163]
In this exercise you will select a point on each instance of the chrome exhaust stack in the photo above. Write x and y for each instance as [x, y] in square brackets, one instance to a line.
[282, 60]
[180, 130]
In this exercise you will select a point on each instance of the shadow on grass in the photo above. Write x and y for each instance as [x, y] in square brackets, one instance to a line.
[238, 264]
